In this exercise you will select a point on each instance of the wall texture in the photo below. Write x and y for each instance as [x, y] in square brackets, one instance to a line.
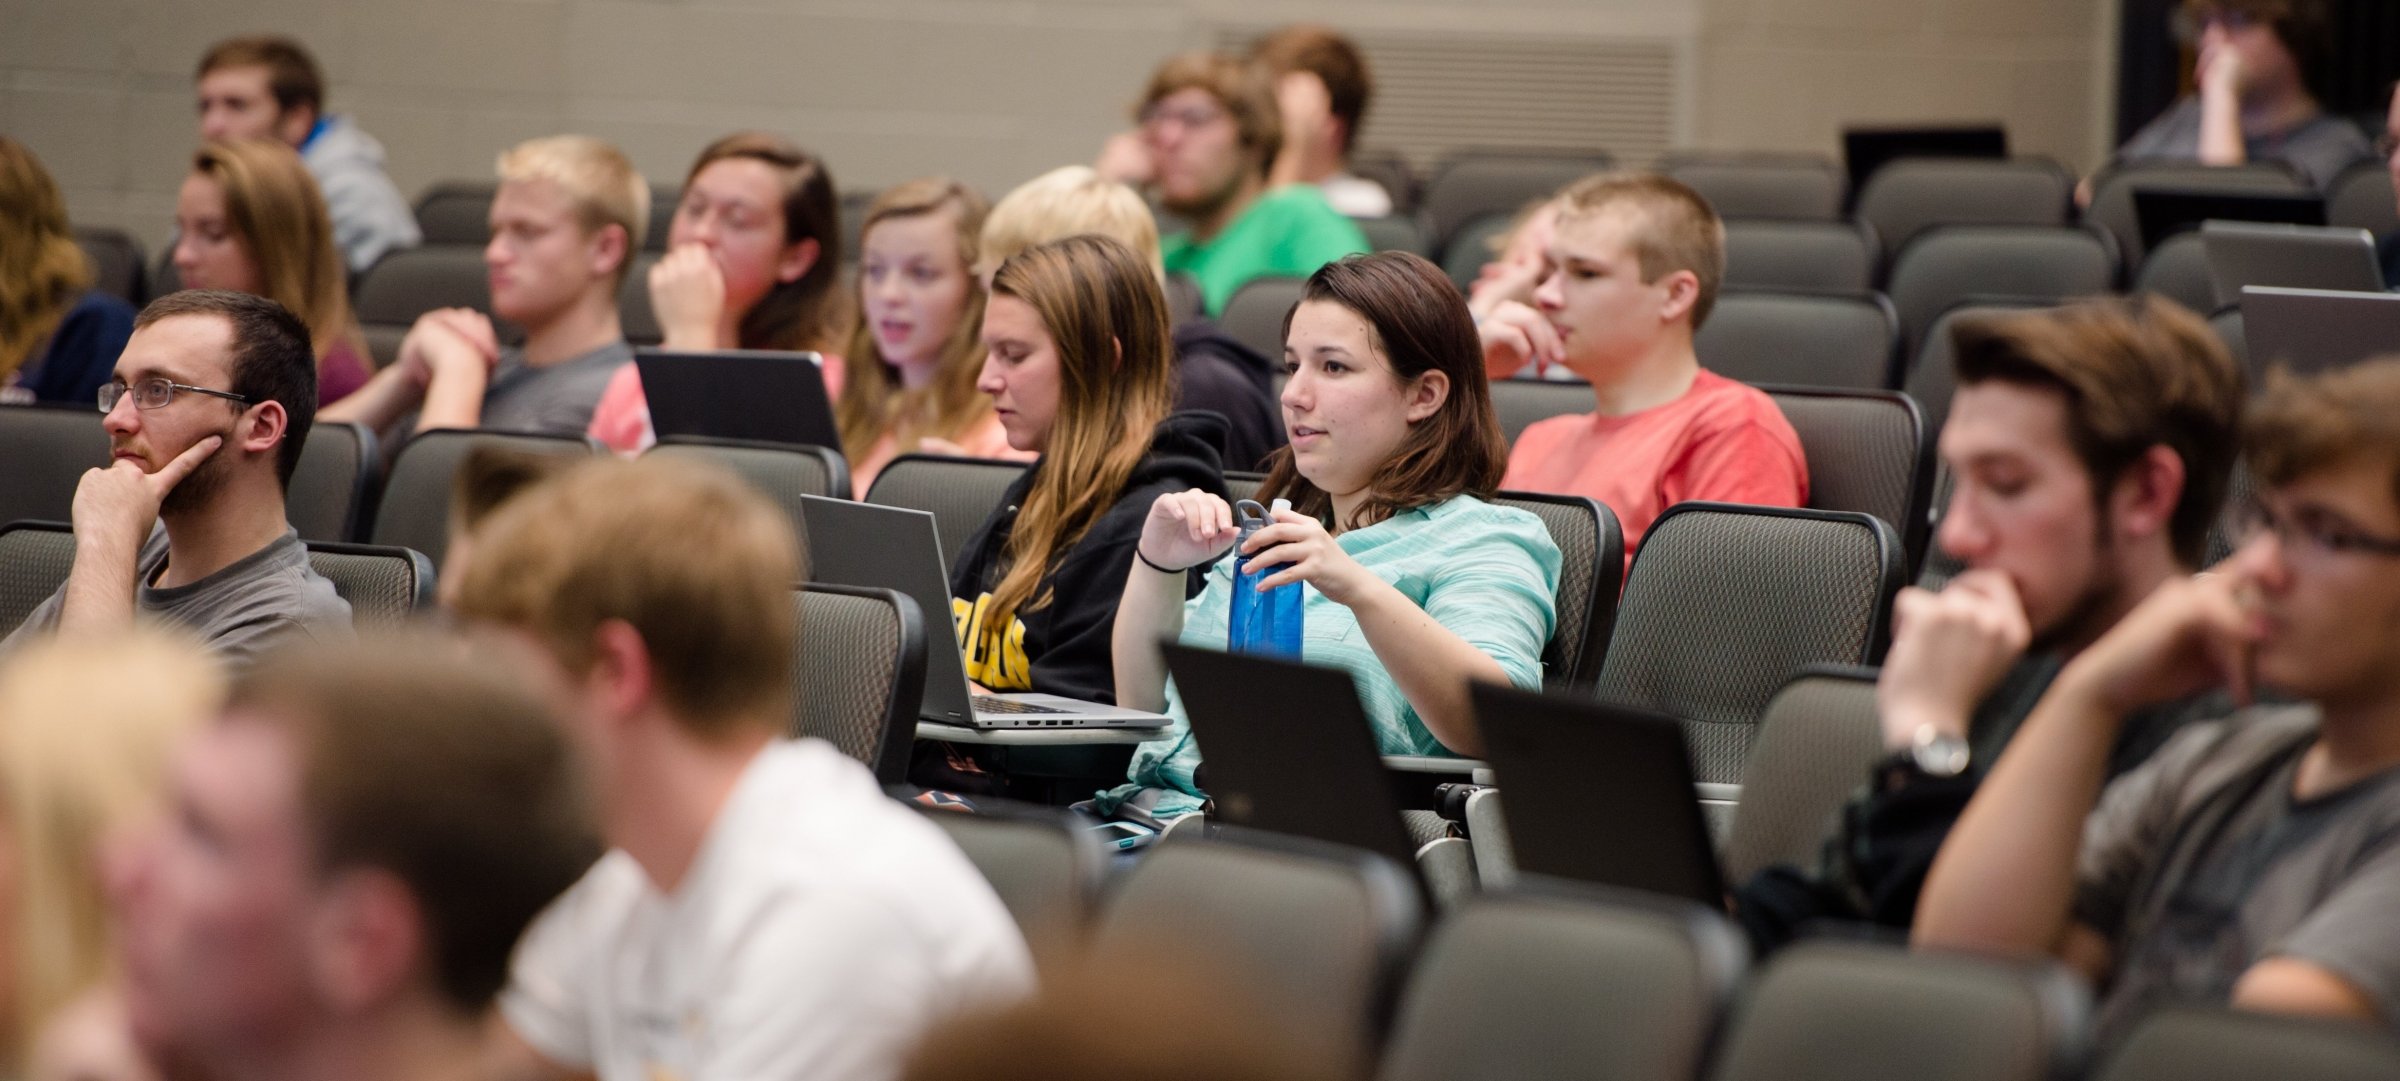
[990, 90]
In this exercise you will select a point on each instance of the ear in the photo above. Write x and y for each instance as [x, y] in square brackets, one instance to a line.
[611, 246]
[1683, 294]
[2143, 503]
[366, 940]
[622, 680]
[262, 427]
[798, 259]
[293, 125]
[1427, 393]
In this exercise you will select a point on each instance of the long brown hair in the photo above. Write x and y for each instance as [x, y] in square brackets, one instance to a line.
[873, 401]
[1421, 324]
[41, 267]
[1105, 312]
[808, 313]
[273, 205]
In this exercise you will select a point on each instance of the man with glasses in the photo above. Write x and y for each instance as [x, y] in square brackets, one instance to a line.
[2254, 860]
[2253, 65]
[206, 414]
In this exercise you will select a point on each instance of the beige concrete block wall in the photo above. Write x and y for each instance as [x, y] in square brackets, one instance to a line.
[992, 91]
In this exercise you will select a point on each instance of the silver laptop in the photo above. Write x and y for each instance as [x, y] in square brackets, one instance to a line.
[2315, 330]
[864, 544]
[2244, 253]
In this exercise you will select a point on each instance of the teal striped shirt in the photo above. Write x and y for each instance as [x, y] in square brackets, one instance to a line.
[1487, 573]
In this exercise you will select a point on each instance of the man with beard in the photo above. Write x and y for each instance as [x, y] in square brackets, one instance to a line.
[206, 414]
[2090, 448]
[1209, 130]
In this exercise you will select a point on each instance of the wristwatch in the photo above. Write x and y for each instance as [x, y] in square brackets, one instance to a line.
[1938, 753]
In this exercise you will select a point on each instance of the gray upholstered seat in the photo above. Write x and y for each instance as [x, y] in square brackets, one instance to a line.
[1867, 452]
[1474, 184]
[2194, 1044]
[1816, 743]
[2112, 206]
[858, 675]
[1954, 264]
[1824, 256]
[1044, 864]
[415, 509]
[1912, 195]
[959, 492]
[1801, 339]
[1778, 187]
[782, 472]
[46, 450]
[1255, 312]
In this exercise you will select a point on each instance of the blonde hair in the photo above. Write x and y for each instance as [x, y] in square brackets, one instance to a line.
[1107, 316]
[1065, 201]
[1675, 230]
[274, 206]
[41, 267]
[873, 401]
[84, 749]
[597, 177]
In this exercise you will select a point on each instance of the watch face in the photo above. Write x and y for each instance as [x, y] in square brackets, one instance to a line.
[1942, 755]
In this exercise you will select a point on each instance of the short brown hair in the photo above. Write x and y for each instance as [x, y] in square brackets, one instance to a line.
[1333, 59]
[2304, 424]
[2137, 373]
[490, 475]
[271, 359]
[421, 760]
[1240, 87]
[695, 560]
[1678, 229]
[1421, 324]
[292, 74]
[811, 312]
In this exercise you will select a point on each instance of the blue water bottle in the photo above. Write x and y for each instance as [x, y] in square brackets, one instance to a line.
[1264, 621]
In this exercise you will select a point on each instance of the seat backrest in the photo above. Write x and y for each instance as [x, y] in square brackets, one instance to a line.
[1044, 864]
[1933, 371]
[2361, 198]
[858, 673]
[1254, 314]
[1591, 550]
[2178, 271]
[1471, 247]
[1725, 602]
[1475, 183]
[634, 314]
[414, 511]
[959, 492]
[457, 212]
[1549, 984]
[2112, 206]
[2195, 1044]
[35, 557]
[1320, 930]
[1802, 339]
[1911, 195]
[1521, 402]
[384, 585]
[2228, 324]
[116, 263]
[1391, 169]
[1826, 256]
[1867, 452]
[1816, 743]
[783, 472]
[1392, 233]
[1838, 1011]
[1183, 297]
[412, 281]
[46, 448]
[1776, 187]
[664, 198]
[1948, 265]
[329, 485]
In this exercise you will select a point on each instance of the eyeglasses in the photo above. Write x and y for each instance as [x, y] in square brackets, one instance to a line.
[2188, 25]
[156, 391]
[2313, 531]
[1197, 116]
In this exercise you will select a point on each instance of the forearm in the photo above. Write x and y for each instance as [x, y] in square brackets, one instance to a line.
[100, 587]
[2221, 131]
[1431, 665]
[455, 401]
[1151, 609]
[378, 403]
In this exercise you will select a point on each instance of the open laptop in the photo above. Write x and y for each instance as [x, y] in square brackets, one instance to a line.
[738, 394]
[2164, 212]
[2315, 330]
[1865, 150]
[1598, 793]
[2293, 256]
[862, 544]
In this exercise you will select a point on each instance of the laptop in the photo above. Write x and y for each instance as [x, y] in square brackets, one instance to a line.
[738, 394]
[1289, 749]
[1865, 150]
[1598, 793]
[2316, 330]
[2294, 256]
[2164, 212]
[862, 544]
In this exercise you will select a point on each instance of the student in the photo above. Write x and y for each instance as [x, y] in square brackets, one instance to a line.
[1209, 131]
[909, 376]
[2387, 147]
[1634, 265]
[58, 335]
[355, 846]
[1076, 342]
[249, 219]
[268, 87]
[2091, 447]
[753, 262]
[564, 226]
[2258, 65]
[2254, 860]
[1322, 86]
[1214, 372]
[211, 403]
[765, 909]
[1414, 582]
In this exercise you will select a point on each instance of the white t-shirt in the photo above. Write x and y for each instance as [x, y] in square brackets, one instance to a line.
[822, 928]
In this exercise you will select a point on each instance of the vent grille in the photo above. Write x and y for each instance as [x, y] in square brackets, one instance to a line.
[1440, 93]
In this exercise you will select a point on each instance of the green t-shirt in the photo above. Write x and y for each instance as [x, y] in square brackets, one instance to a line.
[1290, 231]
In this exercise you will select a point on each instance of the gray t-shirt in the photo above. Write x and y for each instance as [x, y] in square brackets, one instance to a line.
[261, 601]
[2320, 147]
[2201, 863]
[557, 399]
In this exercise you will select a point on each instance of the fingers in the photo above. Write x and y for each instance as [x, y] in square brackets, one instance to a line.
[172, 473]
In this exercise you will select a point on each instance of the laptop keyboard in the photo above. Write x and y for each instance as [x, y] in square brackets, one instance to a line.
[984, 703]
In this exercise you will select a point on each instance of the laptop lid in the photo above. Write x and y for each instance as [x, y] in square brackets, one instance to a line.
[1598, 793]
[2315, 330]
[864, 544]
[1865, 150]
[2164, 212]
[2293, 256]
[1289, 749]
[738, 394]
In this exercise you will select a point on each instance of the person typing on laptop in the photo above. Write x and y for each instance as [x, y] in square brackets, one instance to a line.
[1414, 582]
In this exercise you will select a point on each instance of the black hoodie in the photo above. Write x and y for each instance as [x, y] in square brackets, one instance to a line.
[1063, 647]
[1216, 372]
